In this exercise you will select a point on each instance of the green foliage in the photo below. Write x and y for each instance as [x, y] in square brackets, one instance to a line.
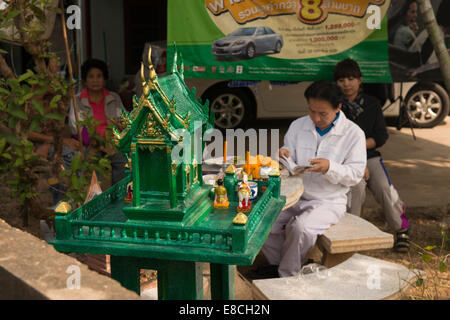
[434, 264]
[80, 171]
[21, 111]
[30, 100]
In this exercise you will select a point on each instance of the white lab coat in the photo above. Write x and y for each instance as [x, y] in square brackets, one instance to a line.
[344, 146]
[323, 202]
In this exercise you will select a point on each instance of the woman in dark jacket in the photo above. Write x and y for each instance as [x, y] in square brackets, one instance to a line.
[365, 111]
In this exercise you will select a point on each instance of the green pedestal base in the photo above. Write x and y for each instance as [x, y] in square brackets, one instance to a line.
[177, 280]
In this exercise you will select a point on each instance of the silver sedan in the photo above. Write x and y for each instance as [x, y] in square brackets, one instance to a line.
[248, 42]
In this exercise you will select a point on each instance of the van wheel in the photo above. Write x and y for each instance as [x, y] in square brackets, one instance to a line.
[231, 106]
[427, 104]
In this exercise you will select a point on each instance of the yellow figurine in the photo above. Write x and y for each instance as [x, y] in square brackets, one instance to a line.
[221, 198]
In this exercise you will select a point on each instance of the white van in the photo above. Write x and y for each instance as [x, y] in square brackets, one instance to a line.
[237, 102]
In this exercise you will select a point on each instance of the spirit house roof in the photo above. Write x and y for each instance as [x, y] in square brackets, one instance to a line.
[165, 106]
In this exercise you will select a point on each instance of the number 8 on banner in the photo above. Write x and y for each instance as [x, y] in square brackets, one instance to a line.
[311, 12]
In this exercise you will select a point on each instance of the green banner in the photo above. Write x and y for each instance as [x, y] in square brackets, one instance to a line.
[278, 40]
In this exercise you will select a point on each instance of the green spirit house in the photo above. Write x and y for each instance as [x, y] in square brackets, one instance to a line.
[171, 224]
[166, 189]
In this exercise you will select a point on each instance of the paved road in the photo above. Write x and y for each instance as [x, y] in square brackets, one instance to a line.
[420, 169]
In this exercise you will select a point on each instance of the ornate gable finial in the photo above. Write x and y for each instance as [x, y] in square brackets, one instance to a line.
[151, 84]
[151, 69]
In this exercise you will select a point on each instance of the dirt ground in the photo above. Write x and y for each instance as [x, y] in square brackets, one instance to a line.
[428, 224]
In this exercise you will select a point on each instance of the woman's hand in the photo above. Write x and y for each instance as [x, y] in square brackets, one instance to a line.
[319, 165]
[284, 153]
[366, 174]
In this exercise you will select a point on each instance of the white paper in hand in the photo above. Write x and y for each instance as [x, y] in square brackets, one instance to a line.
[293, 167]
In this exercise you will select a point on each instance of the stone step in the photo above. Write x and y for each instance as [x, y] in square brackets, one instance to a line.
[352, 234]
[358, 278]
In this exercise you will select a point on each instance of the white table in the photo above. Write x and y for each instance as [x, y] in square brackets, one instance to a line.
[292, 188]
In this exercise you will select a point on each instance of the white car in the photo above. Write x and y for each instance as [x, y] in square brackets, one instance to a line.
[427, 103]
[248, 42]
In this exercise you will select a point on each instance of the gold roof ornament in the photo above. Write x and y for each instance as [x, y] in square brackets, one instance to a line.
[151, 69]
[63, 208]
[231, 169]
[240, 219]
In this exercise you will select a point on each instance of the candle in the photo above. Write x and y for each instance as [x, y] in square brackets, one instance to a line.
[225, 152]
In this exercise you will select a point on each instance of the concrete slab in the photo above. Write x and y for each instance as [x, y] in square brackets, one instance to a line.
[359, 278]
[31, 269]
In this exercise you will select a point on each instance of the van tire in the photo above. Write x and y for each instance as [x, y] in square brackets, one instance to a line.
[232, 107]
[427, 104]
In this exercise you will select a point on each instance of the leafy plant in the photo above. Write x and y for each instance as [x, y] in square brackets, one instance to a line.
[80, 171]
[431, 280]
[27, 102]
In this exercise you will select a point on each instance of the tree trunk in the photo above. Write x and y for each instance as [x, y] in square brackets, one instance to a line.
[429, 20]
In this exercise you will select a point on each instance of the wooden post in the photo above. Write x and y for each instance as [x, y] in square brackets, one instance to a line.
[69, 67]
[434, 32]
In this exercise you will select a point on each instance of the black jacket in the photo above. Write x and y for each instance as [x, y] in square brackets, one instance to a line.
[372, 122]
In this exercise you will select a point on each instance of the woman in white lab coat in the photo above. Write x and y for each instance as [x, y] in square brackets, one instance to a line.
[336, 149]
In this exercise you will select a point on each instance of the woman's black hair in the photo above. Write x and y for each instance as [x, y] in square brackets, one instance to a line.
[325, 90]
[94, 63]
[346, 69]
[398, 19]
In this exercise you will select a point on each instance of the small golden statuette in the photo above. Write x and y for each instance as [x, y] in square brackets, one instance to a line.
[220, 198]
[240, 218]
[63, 208]
[231, 169]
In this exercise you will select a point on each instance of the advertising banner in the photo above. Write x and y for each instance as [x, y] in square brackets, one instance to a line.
[278, 40]
[412, 57]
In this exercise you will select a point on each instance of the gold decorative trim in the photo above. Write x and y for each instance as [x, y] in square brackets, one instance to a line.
[145, 141]
[195, 166]
[174, 167]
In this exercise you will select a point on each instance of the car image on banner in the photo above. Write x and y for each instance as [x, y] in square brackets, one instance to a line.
[248, 42]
